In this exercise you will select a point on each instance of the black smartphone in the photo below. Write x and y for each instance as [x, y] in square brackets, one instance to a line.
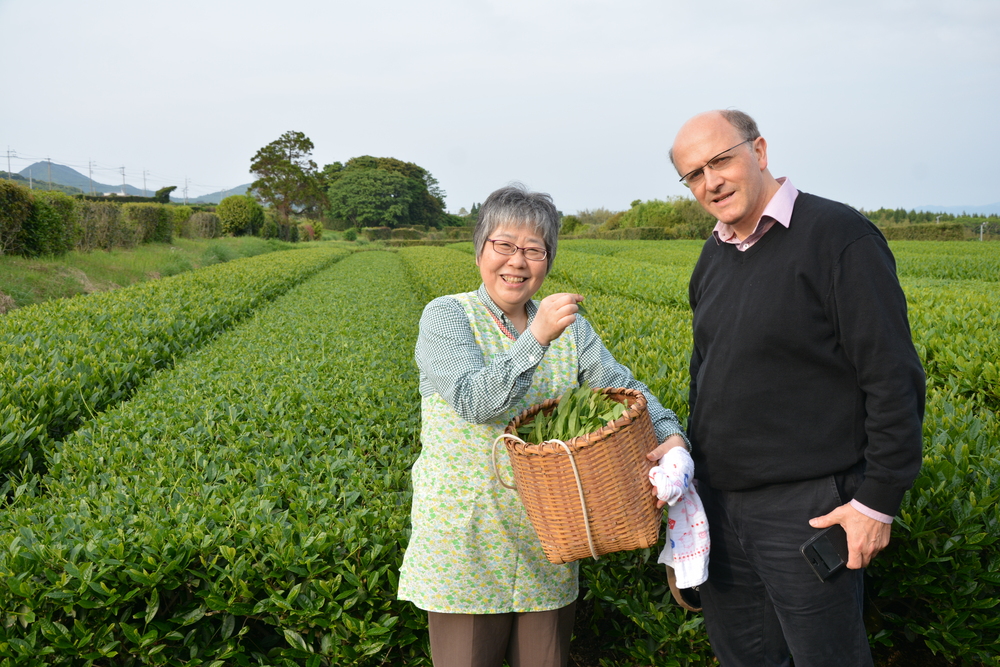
[826, 551]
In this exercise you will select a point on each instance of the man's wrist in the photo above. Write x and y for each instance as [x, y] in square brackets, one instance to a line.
[870, 513]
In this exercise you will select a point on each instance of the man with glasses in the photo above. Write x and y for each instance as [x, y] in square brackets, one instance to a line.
[806, 400]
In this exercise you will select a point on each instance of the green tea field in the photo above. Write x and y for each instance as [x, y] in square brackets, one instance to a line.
[213, 468]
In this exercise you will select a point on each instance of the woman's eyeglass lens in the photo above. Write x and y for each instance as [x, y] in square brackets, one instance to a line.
[506, 248]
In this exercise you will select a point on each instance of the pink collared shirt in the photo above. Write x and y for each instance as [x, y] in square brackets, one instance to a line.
[779, 210]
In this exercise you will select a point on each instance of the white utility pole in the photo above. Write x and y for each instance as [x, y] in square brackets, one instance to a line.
[144, 172]
[90, 172]
[123, 181]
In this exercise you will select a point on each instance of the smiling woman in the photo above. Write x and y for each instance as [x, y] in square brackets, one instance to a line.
[473, 560]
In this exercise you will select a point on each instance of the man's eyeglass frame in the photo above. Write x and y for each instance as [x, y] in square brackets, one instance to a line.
[696, 174]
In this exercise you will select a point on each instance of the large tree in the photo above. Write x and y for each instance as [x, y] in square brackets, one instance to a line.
[286, 176]
[371, 198]
[383, 191]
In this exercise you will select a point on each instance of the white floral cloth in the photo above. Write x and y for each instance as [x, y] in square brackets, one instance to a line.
[687, 546]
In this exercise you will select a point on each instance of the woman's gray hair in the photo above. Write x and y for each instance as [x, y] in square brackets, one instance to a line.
[514, 206]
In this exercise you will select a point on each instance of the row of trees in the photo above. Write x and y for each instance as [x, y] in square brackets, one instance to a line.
[38, 222]
[363, 192]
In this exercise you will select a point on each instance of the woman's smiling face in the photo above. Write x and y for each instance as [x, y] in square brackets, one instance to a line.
[512, 280]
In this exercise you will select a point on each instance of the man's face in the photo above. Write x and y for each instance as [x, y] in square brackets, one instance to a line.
[735, 193]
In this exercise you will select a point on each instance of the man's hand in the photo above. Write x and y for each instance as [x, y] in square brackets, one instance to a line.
[657, 454]
[865, 536]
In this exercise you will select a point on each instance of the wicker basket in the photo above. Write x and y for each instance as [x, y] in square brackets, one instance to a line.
[589, 496]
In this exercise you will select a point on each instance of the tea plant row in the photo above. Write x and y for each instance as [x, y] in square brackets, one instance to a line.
[64, 361]
[250, 505]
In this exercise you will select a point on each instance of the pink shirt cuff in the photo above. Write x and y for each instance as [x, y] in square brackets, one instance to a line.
[870, 513]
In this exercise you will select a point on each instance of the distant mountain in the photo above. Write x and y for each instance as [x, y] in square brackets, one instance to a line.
[40, 185]
[988, 209]
[63, 175]
[40, 173]
[215, 197]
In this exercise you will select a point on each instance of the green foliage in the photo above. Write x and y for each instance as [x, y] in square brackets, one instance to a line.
[204, 225]
[240, 215]
[249, 506]
[939, 579]
[101, 227]
[350, 234]
[148, 223]
[570, 225]
[182, 216]
[37, 185]
[371, 198]
[373, 192]
[51, 228]
[62, 362]
[581, 410]
[406, 233]
[15, 209]
[310, 230]
[637, 234]
[595, 217]
[255, 515]
[679, 217]
[377, 233]
[286, 176]
[927, 231]
[163, 194]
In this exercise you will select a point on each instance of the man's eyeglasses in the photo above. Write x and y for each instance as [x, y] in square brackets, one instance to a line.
[508, 248]
[717, 163]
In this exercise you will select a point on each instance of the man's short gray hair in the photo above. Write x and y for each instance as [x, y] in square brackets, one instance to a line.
[744, 124]
[516, 207]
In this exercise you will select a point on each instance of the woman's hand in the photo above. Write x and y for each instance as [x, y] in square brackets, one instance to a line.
[658, 453]
[555, 313]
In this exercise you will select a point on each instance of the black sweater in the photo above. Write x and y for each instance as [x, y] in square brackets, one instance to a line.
[803, 363]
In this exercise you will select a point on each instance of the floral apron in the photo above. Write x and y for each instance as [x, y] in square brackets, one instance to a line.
[472, 549]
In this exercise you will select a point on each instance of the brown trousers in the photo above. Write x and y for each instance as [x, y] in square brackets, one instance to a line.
[528, 639]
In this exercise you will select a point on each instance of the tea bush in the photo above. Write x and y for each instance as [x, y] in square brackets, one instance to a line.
[250, 505]
[245, 508]
[61, 362]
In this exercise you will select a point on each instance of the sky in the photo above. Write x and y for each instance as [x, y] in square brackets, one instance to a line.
[877, 103]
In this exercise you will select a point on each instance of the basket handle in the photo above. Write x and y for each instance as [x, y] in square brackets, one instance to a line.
[576, 473]
[583, 501]
[493, 460]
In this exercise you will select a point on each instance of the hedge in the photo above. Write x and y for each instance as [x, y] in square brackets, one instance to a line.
[148, 223]
[927, 231]
[101, 227]
[636, 234]
[377, 233]
[204, 225]
[15, 209]
[240, 215]
[406, 233]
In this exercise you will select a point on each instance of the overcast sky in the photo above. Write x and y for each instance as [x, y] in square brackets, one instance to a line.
[872, 102]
